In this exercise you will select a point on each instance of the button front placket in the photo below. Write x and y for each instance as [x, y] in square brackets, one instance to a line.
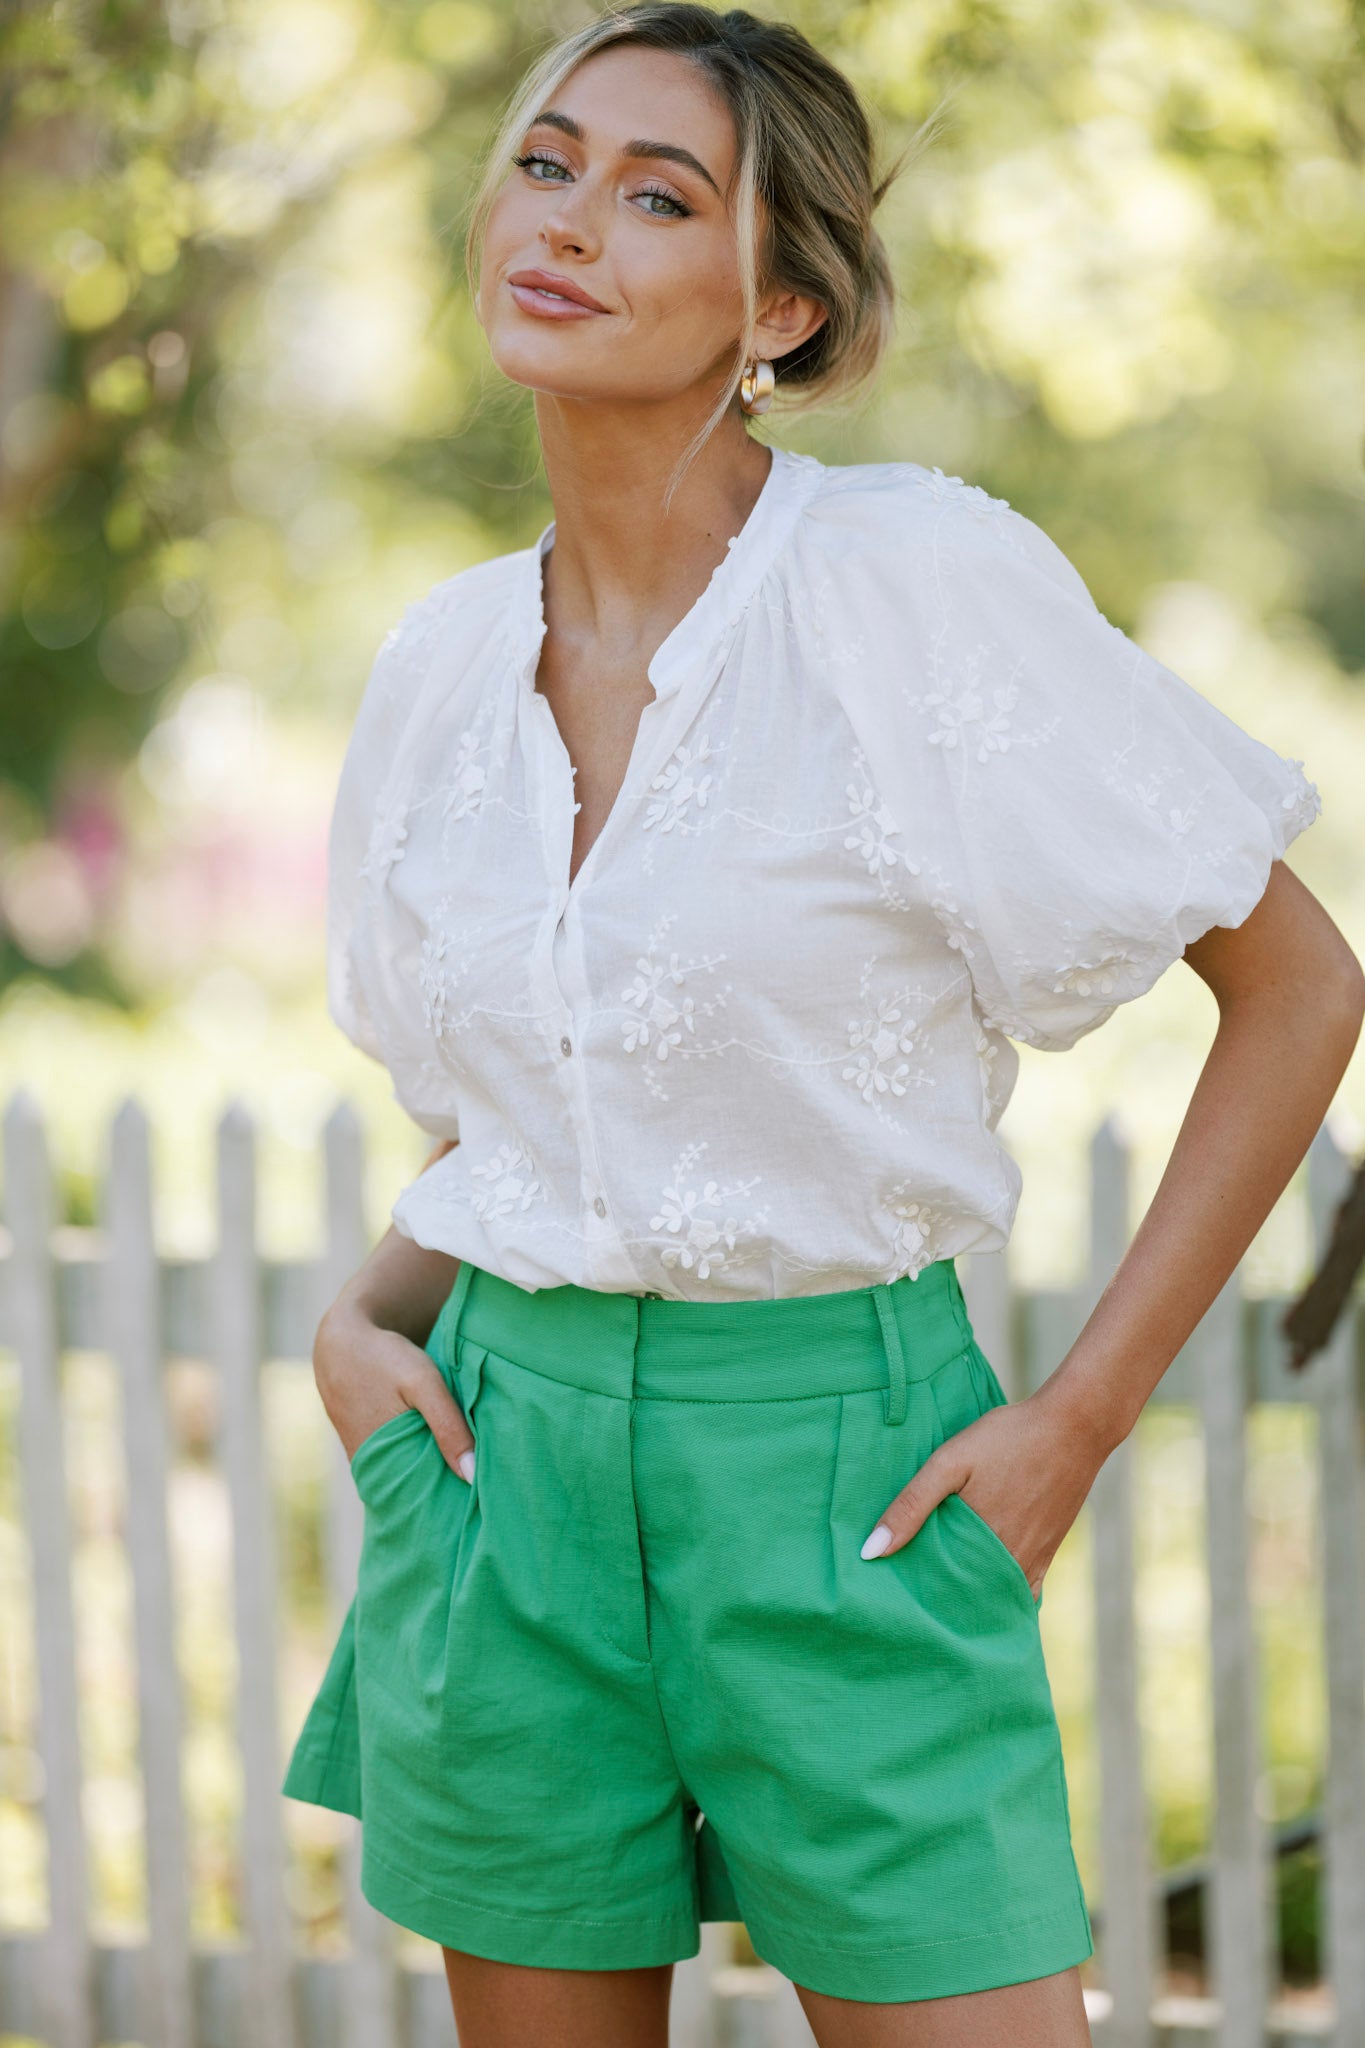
[683, 672]
[560, 975]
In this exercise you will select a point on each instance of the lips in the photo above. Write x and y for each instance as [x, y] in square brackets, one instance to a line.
[556, 290]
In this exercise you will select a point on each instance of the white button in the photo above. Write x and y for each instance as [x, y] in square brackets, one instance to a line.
[565, 1047]
[600, 1206]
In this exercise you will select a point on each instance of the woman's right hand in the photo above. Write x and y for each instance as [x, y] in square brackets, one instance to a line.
[366, 1374]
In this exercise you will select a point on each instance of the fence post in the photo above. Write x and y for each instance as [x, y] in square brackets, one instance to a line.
[371, 2011]
[1128, 1934]
[66, 1986]
[1240, 1911]
[235, 1336]
[1333, 1383]
[132, 1310]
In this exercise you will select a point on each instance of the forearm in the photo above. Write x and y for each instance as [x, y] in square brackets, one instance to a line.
[1264, 1089]
[402, 1285]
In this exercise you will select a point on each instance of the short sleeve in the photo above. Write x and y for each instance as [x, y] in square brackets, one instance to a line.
[367, 830]
[1079, 813]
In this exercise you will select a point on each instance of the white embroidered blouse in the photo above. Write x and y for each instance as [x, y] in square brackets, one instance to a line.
[903, 795]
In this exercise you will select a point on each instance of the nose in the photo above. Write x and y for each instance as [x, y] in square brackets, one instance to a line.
[571, 222]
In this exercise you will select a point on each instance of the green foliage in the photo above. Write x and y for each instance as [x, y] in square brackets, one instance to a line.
[247, 412]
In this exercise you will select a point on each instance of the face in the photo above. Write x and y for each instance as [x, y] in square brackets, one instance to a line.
[617, 196]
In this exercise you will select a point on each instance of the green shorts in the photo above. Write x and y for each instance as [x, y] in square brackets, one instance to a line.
[637, 1675]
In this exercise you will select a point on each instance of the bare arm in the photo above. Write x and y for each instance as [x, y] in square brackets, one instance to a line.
[402, 1285]
[368, 1356]
[1291, 997]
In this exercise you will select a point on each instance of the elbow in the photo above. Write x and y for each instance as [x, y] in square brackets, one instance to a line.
[1346, 994]
[1337, 1000]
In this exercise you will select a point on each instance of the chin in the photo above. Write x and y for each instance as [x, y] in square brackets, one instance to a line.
[546, 369]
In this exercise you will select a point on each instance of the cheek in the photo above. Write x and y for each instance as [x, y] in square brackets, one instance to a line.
[690, 289]
[503, 236]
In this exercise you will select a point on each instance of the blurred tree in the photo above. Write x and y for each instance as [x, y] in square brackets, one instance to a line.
[245, 411]
[158, 166]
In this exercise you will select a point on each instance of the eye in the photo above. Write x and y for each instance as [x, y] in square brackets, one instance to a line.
[534, 156]
[677, 209]
[680, 211]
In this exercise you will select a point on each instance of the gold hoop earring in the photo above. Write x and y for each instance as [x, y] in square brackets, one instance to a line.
[757, 385]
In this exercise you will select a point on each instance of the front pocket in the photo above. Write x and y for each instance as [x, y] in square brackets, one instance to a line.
[997, 1545]
[466, 1377]
[408, 1422]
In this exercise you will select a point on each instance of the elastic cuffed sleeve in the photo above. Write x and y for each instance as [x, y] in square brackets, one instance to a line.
[1093, 813]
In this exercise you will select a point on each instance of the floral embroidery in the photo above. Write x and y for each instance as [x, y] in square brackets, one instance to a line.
[997, 1075]
[874, 825]
[466, 781]
[1148, 793]
[964, 718]
[703, 1243]
[387, 839]
[666, 1019]
[882, 1043]
[916, 1222]
[810, 612]
[661, 1021]
[680, 783]
[925, 803]
[1100, 979]
[955, 495]
[976, 501]
[512, 1184]
[957, 720]
[434, 982]
[950, 914]
[1301, 804]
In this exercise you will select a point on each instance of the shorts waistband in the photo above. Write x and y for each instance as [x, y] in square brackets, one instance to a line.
[642, 1346]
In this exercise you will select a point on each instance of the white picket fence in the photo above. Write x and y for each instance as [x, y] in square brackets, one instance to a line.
[108, 1290]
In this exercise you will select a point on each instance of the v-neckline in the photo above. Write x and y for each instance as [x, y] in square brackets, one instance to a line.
[790, 480]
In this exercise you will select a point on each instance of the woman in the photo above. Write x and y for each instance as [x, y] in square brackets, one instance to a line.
[737, 1613]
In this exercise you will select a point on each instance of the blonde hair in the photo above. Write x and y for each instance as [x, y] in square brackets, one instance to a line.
[804, 149]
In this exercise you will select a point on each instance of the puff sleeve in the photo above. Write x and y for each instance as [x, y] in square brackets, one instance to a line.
[1078, 813]
[367, 830]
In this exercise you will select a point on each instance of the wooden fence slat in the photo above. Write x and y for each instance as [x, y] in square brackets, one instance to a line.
[108, 1290]
[346, 1248]
[1333, 1378]
[372, 2010]
[1240, 1915]
[1046, 1319]
[66, 2000]
[235, 1339]
[985, 1278]
[133, 1317]
[691, 2010]
[790, 2027]
[1127, 1935]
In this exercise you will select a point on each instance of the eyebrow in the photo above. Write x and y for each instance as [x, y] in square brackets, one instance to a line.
[667, 152]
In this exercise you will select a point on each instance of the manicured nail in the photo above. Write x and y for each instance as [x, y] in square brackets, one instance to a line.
[876, 1542]
[465, 1461]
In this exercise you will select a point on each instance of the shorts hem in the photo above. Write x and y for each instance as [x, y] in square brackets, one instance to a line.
[328, 1778]
[546, 1940]
[932, 1969]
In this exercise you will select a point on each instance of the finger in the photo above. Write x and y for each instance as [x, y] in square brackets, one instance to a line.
[443, 1415]
[912, 1506]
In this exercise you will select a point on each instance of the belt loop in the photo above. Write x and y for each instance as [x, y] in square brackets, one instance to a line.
[457, 1299]
[959, 1304]
[893, 1406]
[446, 1328]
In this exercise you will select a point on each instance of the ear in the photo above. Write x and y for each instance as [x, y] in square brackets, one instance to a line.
[785, 321]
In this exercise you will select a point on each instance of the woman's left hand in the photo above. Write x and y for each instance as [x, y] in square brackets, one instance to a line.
[1025, 1467]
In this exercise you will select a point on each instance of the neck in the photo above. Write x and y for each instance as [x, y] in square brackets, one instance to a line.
[620, 564]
